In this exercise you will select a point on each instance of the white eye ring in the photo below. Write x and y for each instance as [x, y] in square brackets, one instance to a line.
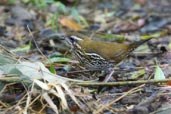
[76, 38]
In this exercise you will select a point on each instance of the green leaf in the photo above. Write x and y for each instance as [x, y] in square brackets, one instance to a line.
[151, 36]
[58, 59]
[4, 59]
[169, 45]
[24, 48]
[62, 7]
[52, 69]
[25, 1]
[53, 21]
[56, 54]
[30, 71]
[75, 14]
[11, 2]
[83, 20]
[137, 74]
[40, 3]
[155, 35]
[50, 1]
[159, 75]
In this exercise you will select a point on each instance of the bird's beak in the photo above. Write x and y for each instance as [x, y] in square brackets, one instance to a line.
[75, 38]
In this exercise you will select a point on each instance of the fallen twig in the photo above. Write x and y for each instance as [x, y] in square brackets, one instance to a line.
[120, 83]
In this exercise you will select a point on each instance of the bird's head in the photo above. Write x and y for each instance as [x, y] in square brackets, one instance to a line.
[71, 40]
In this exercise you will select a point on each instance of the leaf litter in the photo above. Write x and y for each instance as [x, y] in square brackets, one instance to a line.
[27, 85]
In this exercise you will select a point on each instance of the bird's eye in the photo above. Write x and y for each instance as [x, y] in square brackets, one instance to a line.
[72, 39]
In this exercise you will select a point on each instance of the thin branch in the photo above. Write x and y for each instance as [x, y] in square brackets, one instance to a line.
[123, 83]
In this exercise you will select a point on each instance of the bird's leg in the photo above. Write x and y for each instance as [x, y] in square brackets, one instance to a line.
[107, 78]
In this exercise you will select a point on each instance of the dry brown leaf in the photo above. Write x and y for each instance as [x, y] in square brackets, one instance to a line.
[70, 24]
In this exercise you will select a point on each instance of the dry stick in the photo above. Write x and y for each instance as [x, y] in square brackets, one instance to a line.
[36, 43]
[6, 50]
[19, 102]
[107, 78]
[137, 90]
[3, 104]
[34, 100]
[119, 98]
[6, 85]
[10, 54]
[43, 108]
[118, 70]
[162, 109]
[120, 83]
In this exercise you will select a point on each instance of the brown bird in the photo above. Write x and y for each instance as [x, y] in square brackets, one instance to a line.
[98, 55]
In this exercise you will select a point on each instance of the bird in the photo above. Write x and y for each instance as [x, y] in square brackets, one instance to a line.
[99, 55]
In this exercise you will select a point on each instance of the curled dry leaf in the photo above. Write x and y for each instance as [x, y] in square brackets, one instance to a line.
[70, 24]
